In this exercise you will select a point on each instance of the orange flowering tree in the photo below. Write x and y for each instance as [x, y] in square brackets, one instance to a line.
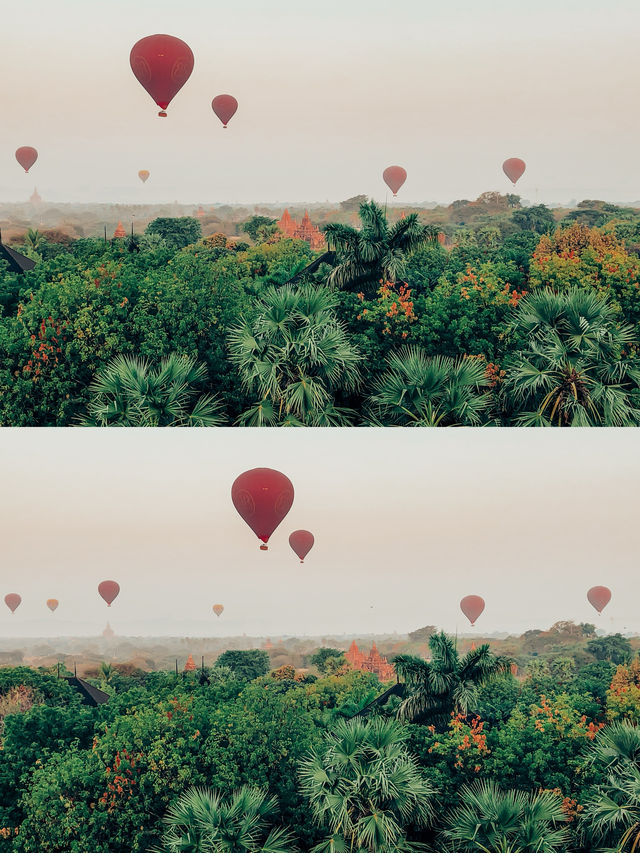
[623, 697]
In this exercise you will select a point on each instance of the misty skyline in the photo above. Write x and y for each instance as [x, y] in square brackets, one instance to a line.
[329, 96]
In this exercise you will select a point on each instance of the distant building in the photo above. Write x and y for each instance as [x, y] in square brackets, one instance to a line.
[304, 230]
[108, 632]
[373, 662]
[35, 197]
[89, 695]
[200, 212]
[189, 665]
[119, 232]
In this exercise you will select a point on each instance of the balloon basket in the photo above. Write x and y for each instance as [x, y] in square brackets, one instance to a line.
[162, 114]
[264, 547]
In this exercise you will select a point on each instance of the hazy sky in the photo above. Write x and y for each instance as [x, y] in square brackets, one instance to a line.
[330, 94]
[406, 523]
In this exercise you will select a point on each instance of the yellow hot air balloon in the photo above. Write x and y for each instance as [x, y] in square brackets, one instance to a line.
[143, 174]
[217, 609]
[52, 603]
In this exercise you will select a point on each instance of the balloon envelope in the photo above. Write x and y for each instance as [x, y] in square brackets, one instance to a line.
[26, 156]
[302, 542]
[52, 603]
[217, 609]
[394, 177]
[143, 174]
[472, 606]
[599, 597]
[162, 65]
[12, 600]
[514, 168]
[224, 106]
[262, 497]
[108, 590]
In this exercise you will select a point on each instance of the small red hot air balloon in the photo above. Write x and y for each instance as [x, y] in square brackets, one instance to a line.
[599, 597]
[224, 106]
[514, 169]
[217, 609]
[472, 606]
[12, 601]
[162, 64]
[262, 497]
[302, 542]
[26, 156]
[52, 604]
[394, 177]
[109, 590]
[143, 174]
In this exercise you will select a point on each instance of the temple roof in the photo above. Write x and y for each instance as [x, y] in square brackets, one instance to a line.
[189, 665]
[89, 694]
[17, 262]
[120, 232]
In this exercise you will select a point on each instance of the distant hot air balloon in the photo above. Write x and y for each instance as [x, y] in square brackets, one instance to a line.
[394, 177]
[514, 169]
[302, 542]
[12, 601]
[472, 606]
[262, 497]
[599, 597]
[217, 609]
[109, 590]
[224, 106]
[52, 604]
[162, 64]
[143, 174]
[26, 156]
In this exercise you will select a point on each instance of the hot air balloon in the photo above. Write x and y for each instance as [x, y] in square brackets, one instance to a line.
[52, 604]
[217, 609]
[302, 542]
[108, 590]
[514, 169]
[394, 177]
[599, 597]
[162, 65]
[143, 174]
[12, 601]
[262, 497]
[472, 606]
[26, 156]
[224, 106]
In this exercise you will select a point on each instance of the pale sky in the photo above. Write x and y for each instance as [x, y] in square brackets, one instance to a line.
[330, 94]
[406, 522]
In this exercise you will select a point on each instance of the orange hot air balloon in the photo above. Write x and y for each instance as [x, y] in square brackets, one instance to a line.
[394, 177]
[262, 497]
[224, 106]
[217, 609]
[162, 65]
[13, 601]
[26, 156]
[52, 604]
[302, 542]
[109, 590]
[143, 174]
[514, 169]
[599, 597]
[472, 606]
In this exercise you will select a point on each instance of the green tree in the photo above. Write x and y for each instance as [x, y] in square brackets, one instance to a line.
[326, 659]
[245, 665]
[255, 226]
[366, 789]
[130, 392]
[537, 218]
[614, 648]
[177, 232]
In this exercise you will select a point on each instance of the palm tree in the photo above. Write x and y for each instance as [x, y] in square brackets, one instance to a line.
[201, 821]
[295, 355]
[497, 821]
[447, 684]
[129, 392]
[419, 390]
[365, 787]
[612, 813]
[375, 252]
[34, 240]
[575, 369]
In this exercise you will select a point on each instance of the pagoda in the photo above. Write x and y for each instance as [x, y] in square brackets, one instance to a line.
[35, 197]
[304, 230]
[189, 665]
[119, 232]
[373, 662]
[108, 632]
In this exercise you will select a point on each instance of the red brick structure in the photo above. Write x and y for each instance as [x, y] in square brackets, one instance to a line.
[304, 230]
[190, 664]
[373, 662]
[119, 232]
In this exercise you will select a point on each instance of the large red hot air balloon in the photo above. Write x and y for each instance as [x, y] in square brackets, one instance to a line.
[394, 177]
[224, 106]
[52, 604]
[108, 590]
[599, 597]
[263, 497]
[12, 601]
[514, 169]
[162, 65]
[472, 606]
[143, 174]
[26, 156]
[217, 609]
[302, 542]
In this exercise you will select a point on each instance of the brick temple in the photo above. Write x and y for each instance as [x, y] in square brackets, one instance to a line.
[304, 230]
[373, 662]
